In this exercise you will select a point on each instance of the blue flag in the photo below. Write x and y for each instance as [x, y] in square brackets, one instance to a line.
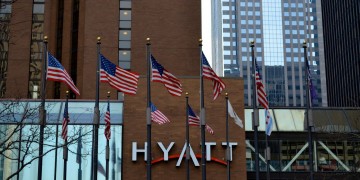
[312, 89]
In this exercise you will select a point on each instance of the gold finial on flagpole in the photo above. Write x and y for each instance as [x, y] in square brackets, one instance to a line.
[252, 42]
[98, 40]
[304, 44]
[45, 39]
[148, 41]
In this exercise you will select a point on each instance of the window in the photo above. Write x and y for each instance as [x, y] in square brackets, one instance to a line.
[125, 34]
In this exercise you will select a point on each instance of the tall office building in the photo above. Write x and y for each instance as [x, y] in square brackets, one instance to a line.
[278, 28]
[341, 22]
[72, 28]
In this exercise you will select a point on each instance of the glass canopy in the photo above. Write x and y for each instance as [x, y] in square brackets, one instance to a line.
[80, 112]
[325, 120]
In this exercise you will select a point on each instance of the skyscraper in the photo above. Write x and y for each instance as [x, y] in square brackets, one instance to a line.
[72, 29]
[278, 28]
[342, 46]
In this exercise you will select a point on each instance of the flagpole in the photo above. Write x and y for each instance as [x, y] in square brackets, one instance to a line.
[267, 155]
[187, 138]
[227, 137]
[148, 112]
[113, 157]
[18, 165]
[255, 114]
[78, 156]
[42, 110]
[96, 116]
[65, 148]
[56, 150]
[107, 145]
[308, 114]
[202, 116]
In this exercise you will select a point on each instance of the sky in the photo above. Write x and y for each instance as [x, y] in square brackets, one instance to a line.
[206, 28]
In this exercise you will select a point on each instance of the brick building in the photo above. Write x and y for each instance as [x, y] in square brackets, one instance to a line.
[72, 28]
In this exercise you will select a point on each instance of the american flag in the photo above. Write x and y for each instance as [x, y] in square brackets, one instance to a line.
[311, 86]
[118, 78]
[209, 73]
[260, 89]
[263, 100]
[160, 74]
[194, 120]
[157, 116]
[107, 131]
[65, 122]
[56, 72]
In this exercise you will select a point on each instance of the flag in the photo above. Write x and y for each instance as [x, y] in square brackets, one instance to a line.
[56, 72]
[118, 78]
[101, 169]
[233, 114]
[79, 146]
[312, 89]
[160, 74]
[209, 73]
[194, 120]
[65, 122]
[263, 100]
[260, 88]
[269, 122]
[157, 116]
[113, 152]
[107, 131]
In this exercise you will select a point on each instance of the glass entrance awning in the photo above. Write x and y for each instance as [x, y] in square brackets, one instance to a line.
[80, 112]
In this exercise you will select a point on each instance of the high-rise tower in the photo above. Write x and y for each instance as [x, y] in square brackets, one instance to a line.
[278, 28]
[342, 46]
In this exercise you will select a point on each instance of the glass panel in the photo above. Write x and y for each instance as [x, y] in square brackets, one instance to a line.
[284, 120]
[339, 121]
[125, 4]
[125, 35]
[125, 15]
[124, 55]
[321, 121]
[79, 152]
[125, 24]
[124, 65]
[79, 112]
[298, 118]
[5, 9]
[248, 120]
[124, 44]
[353, 117]
[38, 8]
[38, 17]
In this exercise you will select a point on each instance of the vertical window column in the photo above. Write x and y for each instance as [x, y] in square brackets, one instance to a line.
[5, 14]
[125, 34]
[36, 49]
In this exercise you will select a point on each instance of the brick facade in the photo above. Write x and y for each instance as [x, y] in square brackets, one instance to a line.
[174, 109]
